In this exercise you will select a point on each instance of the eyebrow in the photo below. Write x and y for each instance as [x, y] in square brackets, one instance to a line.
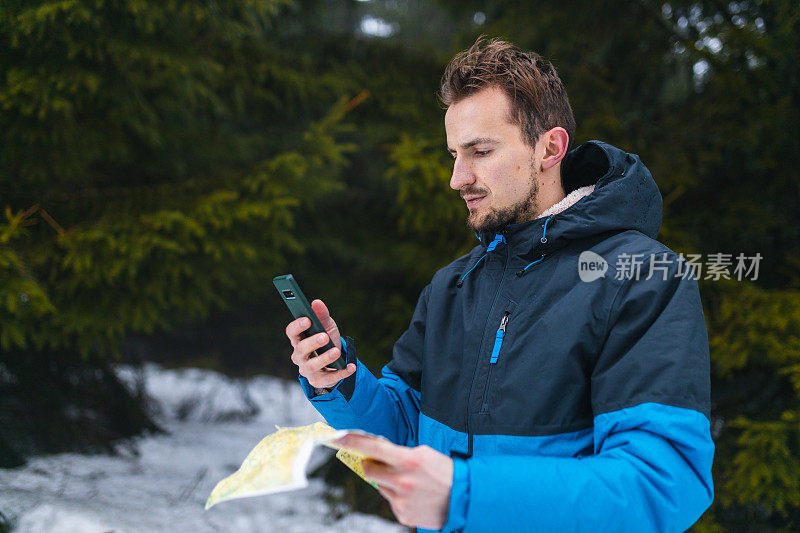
[473, 142]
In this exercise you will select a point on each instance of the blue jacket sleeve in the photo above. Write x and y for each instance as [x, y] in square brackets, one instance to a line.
[651, 467]
[388, 406]
[651, 472]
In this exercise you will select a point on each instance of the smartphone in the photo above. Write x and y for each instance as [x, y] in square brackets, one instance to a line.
[300, 307]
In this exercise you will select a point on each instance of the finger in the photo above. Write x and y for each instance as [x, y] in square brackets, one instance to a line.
[373, 447]
[386, 492]
[381, 473]
[330, 379]
[349, 369]
[307, 346]
[324, 315]
[391, 498]
[317, 364]
[295, 329]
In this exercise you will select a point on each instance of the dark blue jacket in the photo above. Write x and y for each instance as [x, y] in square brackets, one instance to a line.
[567, 405]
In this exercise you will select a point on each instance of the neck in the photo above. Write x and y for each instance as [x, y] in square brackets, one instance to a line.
[550, 189]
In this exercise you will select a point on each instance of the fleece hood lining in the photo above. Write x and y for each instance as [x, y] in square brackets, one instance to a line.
[567, 201]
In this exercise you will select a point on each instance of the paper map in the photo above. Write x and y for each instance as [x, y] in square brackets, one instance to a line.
[278, 463]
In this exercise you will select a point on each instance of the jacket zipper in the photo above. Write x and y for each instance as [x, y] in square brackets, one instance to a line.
[498, 344]
[475, 370]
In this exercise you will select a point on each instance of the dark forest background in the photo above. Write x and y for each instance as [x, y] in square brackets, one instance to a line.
[161, 161]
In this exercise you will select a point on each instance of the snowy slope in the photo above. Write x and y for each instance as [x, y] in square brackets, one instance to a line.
[160, 483]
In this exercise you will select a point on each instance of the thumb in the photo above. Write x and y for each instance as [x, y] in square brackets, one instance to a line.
[326, 320]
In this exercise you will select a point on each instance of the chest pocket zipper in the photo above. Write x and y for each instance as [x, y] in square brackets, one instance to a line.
[498, 344]
[498, 339]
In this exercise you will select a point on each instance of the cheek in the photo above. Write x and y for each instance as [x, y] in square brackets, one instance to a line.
[500, 169]
[505, 176]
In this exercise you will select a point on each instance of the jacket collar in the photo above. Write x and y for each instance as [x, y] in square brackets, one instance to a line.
[521, 236]
[609, 191]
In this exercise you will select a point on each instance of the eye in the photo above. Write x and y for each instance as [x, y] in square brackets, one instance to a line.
[481, 153]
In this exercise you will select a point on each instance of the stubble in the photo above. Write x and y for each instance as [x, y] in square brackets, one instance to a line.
[498, 218]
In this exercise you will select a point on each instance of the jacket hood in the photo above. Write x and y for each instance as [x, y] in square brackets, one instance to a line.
[625, 197]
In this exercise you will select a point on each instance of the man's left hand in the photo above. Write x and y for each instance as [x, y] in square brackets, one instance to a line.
[415, 481]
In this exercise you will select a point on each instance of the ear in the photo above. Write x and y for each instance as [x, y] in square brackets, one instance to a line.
[555, 143]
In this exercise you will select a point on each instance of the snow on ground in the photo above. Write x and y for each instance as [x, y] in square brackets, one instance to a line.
[161, 482]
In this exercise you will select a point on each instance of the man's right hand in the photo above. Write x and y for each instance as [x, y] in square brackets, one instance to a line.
[314, 368]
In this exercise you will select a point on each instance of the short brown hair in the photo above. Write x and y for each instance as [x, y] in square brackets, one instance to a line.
[538, 99]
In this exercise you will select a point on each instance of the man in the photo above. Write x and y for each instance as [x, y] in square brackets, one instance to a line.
[536, 388]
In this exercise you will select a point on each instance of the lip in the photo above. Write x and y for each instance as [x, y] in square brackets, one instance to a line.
[473, 201]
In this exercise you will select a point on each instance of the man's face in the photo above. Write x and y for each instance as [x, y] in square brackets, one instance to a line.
[494, 170]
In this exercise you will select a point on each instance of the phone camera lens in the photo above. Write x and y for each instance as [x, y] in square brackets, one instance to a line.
[288, 294]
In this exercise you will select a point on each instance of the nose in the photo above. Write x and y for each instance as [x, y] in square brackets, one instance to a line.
[462, 174]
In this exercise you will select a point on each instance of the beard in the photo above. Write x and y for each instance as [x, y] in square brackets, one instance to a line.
[496, 219]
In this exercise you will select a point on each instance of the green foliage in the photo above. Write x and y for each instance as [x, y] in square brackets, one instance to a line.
[754, 335]
[138, 105]
[133, 86]
[22, 298]
[770, 336]
[430, 212]
[134, 272]
[145, 186]
[766, 468]
[420, 168]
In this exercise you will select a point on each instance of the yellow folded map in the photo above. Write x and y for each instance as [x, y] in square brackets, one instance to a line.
[278, 463]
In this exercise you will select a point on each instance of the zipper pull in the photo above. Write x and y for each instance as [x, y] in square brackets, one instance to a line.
[497, 240]
[498, 339]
